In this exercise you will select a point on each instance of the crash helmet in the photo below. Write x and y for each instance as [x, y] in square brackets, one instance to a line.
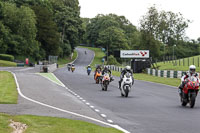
[192, 69]
[72, 64]
[105, 67]
[128, 68]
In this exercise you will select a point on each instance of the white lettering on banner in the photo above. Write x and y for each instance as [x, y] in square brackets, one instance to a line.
[134, 53]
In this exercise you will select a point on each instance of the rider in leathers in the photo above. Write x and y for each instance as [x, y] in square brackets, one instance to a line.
[106, 70]
[127, 69]
[188, 74]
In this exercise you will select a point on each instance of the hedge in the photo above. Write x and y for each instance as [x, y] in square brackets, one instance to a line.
[6, 57]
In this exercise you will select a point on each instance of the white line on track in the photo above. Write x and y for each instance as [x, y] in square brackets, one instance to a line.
[97, 110]
[103, 115]
[110, 121]
[69, 112]
[91, 106]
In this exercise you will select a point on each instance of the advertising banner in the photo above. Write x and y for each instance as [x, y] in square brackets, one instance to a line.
[134, 53]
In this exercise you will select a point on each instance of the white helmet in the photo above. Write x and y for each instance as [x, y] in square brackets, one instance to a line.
[128, 68]
[192, 69]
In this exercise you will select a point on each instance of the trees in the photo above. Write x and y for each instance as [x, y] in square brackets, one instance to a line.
[111, 30]
[40, 28]
[47, 31]
[19, 30]
[66, 15]
[166, 27]
[113, 38]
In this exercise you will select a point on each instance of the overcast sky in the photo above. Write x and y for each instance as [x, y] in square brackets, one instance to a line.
[134, 9]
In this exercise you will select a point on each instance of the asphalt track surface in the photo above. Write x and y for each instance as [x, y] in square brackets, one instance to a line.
[150, 107]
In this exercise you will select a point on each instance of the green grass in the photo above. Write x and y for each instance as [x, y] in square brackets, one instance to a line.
[4, 63]
[8, 91]
[51, 77]
[63, 61]
[39, 124]
[171, 66]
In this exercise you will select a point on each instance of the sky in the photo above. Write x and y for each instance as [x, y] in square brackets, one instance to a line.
[133, 10]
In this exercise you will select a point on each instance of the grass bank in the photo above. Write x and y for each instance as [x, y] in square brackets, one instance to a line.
[63, 61]
[39, 124]
[4, 63]
[8, 91]
[180, 65]
[51, 76]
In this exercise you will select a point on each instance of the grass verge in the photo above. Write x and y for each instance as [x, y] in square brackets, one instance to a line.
[51, 77]
[63, 61]
[39, 124]
[180, 65]
[4, 63]
[8, 91]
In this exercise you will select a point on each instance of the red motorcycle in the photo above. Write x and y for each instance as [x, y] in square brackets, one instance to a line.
[190, 91]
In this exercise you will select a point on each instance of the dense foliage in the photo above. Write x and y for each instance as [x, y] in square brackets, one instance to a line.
[39, 28]
[160, 32]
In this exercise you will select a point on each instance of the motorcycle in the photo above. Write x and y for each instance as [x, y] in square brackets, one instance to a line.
[98, 76]
[105, 81]
[190, 92]
[126, 84]
[89, 69]
[85, 52]
[72, 68]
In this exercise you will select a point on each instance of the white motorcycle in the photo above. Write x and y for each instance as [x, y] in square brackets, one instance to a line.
[126, 84]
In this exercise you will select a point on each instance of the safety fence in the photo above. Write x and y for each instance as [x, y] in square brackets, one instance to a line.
[154, 72]
[165, 73]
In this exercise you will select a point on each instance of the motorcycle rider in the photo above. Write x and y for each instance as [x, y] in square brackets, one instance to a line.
[126, 69]
[107, 70]
[191, 72]
[97, 68]
[69, 66]
[88, 67]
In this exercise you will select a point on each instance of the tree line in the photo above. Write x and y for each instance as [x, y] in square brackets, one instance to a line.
[159, 31]
[39, 28]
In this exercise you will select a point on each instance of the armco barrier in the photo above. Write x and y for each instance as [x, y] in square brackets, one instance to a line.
[165, 73]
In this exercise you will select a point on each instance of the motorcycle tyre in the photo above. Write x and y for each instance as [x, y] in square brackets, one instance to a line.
[192, 100]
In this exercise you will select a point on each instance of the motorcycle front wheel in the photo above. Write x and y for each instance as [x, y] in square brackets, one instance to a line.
[192, 100]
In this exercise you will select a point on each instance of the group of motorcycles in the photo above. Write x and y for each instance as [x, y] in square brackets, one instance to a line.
[106, 78]
[71, 67]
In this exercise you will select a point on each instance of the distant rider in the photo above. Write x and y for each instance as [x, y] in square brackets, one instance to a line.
[126, 69]
[89, 67]
[191, 72]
